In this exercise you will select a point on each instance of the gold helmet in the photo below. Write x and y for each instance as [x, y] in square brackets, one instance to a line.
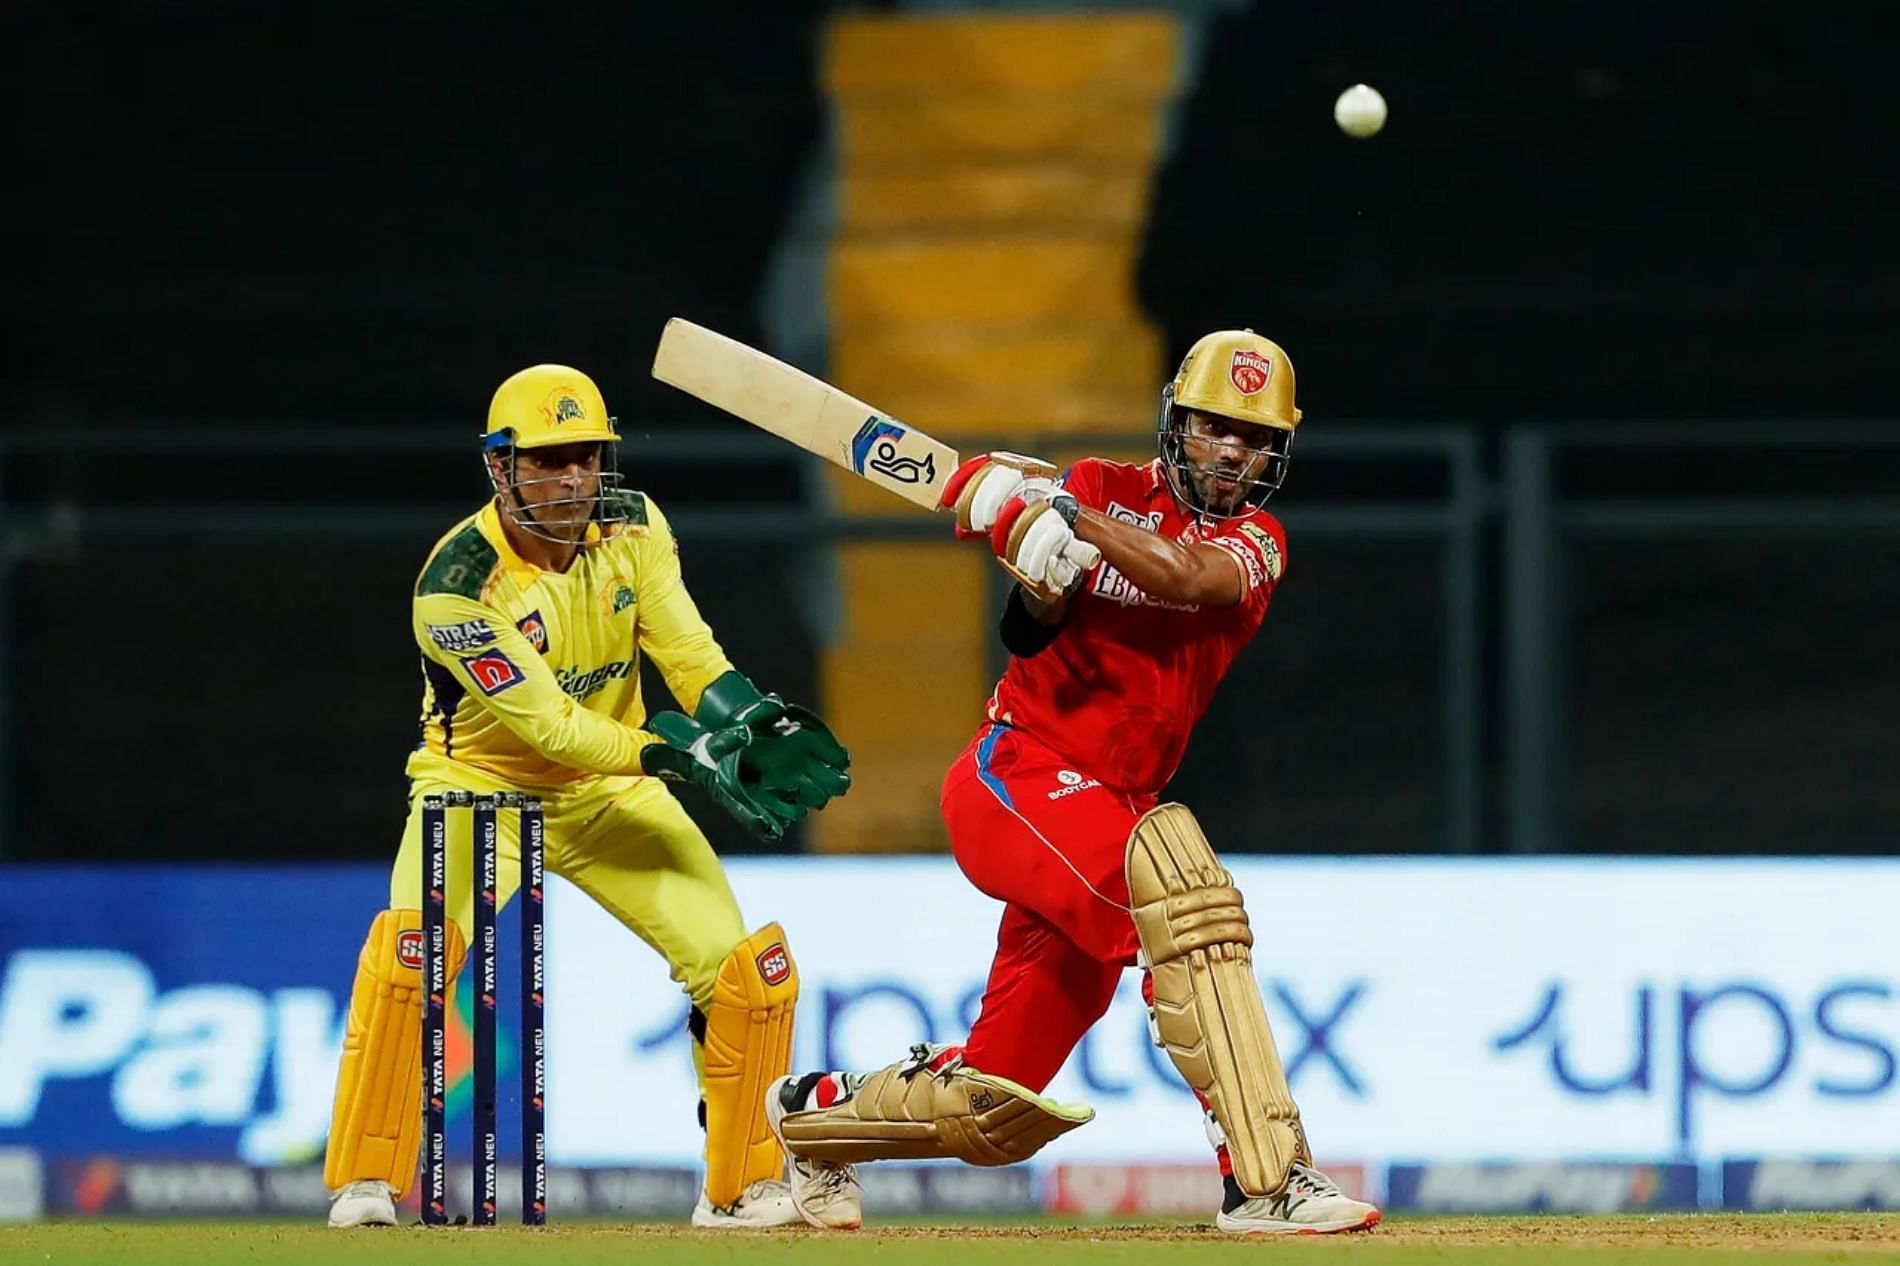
[1234, 374]
[541, 407]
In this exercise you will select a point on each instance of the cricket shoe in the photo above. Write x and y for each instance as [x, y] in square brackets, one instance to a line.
[366, 1202]
[825, 1193]
[766, 1203]
[1310, 1204]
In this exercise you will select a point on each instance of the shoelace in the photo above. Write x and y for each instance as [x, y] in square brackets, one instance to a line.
[832, 1179]
[1312, 1181]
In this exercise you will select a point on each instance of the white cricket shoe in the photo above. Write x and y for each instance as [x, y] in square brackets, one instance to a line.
[1311, 1204]
[766, 1203]
[825, 1193]
[366, 1202]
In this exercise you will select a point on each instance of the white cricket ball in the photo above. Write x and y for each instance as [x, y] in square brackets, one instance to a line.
[1360, 111]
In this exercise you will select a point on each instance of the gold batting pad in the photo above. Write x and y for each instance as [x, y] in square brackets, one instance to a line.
[748, 1046]
[376, 1122]
[911, 1112]
[1195, 942]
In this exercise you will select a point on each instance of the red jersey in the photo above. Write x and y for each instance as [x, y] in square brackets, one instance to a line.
[1119, 689]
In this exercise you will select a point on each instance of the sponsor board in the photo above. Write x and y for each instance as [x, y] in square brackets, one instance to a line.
[1787, 1183]
[21, 1185]
[1159, 1190]
[113, 1187]
[1540, 1187]
[1451, 1012]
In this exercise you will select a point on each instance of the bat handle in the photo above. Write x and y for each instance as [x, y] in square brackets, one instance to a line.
[1082, 554]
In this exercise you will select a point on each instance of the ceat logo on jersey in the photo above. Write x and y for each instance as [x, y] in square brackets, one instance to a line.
[409, 948]
[493, 672]
[534, 630]
[1249, 371]
[775, 965]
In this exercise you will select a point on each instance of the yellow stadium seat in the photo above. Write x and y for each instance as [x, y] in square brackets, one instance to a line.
[1053, 54]
[996, 282]
[1087, 199]
[929, 132]
[876, 363]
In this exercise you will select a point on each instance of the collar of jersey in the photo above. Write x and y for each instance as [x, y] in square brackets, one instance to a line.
[519, 569]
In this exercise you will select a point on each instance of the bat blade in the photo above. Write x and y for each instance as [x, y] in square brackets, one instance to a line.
[803, 410]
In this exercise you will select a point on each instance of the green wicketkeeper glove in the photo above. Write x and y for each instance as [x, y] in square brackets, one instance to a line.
[689, 752]
[793, 751]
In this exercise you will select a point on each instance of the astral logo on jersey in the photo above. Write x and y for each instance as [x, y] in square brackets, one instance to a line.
[465, 636]
[535, 630]
[493, 672]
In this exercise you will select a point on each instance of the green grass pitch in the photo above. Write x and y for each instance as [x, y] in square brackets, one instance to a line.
[1662, 1240]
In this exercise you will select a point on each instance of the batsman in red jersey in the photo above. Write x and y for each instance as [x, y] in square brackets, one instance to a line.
[1054, 810]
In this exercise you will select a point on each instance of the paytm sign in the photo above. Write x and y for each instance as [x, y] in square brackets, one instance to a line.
[1461, 1011]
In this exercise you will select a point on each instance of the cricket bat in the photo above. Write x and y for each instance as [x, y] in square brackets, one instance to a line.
[814, 415]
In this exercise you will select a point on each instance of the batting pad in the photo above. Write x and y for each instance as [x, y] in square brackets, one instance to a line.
[931, 1107]
[376, 1124]
[748, 1046]
[1196, 944]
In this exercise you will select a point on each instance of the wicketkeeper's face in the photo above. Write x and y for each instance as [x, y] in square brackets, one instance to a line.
[1224, 458]
[559, 486]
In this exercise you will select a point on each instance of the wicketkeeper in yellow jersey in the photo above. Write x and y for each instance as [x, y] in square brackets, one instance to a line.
[531, 616]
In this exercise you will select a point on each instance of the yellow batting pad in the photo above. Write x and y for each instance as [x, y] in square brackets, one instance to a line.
[748, 1046]
[376, 1124]
[1196, 944]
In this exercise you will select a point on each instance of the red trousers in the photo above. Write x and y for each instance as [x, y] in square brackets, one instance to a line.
[1050, 842]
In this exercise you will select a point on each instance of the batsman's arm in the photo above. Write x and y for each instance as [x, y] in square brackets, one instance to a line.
[504, 674]
[1205, 575]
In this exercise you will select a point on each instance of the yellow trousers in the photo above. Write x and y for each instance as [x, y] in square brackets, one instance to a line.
[624, 841]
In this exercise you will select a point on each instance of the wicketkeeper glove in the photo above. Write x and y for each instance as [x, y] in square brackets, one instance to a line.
[793, 754]
[714, 759]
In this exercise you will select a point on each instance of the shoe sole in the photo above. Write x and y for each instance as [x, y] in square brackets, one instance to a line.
[774, 1115]
[1294, 1228]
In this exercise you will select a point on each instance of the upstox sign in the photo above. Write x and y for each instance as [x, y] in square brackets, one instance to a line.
[1426, 1011]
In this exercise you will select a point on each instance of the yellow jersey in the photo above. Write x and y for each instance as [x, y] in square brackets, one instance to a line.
[534, 676]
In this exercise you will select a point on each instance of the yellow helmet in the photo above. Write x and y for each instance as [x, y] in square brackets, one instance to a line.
[1233, 374]
[540, 407]
[545, 405]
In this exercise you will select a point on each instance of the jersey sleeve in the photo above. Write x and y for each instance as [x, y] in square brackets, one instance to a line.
[1258, 543]
[1084, 482]
[505, 675]
[671, 632]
